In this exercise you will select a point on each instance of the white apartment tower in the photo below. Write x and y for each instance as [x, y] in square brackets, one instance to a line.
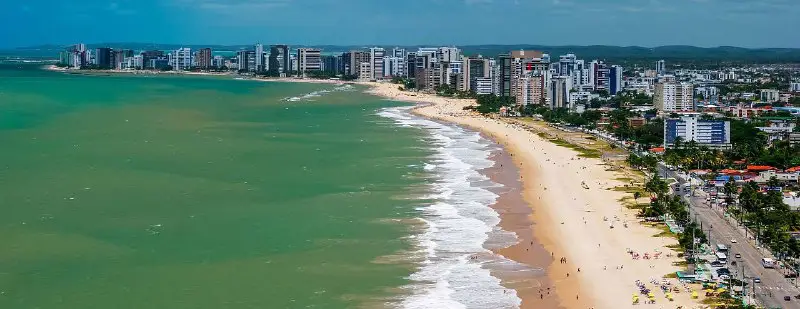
[181, 59]
[376, 56]
[674, 97]
[661, 67]
[260, 57]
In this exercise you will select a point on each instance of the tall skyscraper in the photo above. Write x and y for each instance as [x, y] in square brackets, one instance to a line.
[376, 55]
[566, 64]
[516, 67]
[203, 58]
[559, 92]
[308, 60]
[260, 57]
[280, 62]
[243, 60]
[601, 78]
[353, 60]
[615, 80]
[330, 64]
[661, 67]
[103, 58]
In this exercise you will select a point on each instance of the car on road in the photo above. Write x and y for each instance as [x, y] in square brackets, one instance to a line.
[787, 298]
[724, 277]
[756, 280]
[733, 240]
[738, 256]
[717, 264]
[723, 271]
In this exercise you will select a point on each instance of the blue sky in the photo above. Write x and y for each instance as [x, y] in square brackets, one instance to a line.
[746, 23]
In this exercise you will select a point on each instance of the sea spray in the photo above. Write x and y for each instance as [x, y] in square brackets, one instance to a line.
[459, 223]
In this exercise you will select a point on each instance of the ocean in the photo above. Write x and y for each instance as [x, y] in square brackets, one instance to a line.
[206, 192]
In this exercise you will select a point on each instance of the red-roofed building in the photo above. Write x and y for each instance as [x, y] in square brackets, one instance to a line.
[657, 150]
[760, 168]
[730, 172]
[793, 169]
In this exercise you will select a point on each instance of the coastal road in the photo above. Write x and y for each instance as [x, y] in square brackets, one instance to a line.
[720, 230]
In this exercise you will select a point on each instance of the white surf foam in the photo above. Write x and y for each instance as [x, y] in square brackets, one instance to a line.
[312, 95]
[459, 221]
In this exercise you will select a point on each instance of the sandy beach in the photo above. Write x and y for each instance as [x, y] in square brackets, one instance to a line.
[573, 208]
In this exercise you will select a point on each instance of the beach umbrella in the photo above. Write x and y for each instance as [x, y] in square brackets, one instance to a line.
[694, 294]
[720, 290]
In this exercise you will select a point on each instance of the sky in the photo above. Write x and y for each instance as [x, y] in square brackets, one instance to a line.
[649, 23]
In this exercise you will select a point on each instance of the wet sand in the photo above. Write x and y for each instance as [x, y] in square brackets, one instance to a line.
[536, 291]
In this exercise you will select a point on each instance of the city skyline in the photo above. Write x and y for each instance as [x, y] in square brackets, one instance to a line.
[704, 23]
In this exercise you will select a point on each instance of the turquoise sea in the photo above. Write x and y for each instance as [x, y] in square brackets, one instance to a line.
[190, 192]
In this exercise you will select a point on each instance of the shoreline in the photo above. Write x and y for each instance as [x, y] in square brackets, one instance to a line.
[568, 220]
[515, 217]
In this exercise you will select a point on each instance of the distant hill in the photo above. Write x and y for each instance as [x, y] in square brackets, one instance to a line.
[676, 53]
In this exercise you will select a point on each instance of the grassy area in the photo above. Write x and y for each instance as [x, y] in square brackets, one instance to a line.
[583, 152]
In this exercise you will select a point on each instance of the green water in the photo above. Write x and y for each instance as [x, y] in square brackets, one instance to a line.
[180, 192]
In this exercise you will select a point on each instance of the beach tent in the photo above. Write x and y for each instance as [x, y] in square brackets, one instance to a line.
[694, 295]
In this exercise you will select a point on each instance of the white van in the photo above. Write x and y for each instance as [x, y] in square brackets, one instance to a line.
[768, 263]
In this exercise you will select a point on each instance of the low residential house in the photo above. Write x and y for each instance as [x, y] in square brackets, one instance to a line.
[784, 177]
[742, 111]
[791, 199]
[637, 122]
[778, 128]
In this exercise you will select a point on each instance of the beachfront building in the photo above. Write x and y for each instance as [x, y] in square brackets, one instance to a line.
[203, 59]
[481, 85]
[308, 60]
[181, 59]
[559, 92]
[529, 90]
[674, 97]
[376, 59]
[259, 59]
[279, 61]
[522, 69]
[689, 127]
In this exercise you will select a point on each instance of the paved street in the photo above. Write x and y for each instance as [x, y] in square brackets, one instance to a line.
[773, 287]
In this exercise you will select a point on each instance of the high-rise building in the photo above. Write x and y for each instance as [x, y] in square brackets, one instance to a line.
[330, 64]
[352, 61]
[243, 60]
[601, 79]
[559, 92]
[516, 67]
[376, 55]
[308, 60]
[181, 59]
[615, 80]
[120, 58]
[279, 60]
[672, 97]
[259, 58]
[709, 133]
[448, 54]
[481, 85]
[661, 67]
[103, 58]
[399, 52]
[203, 59]
[530, 89]
[794, 87]
[394, 66]
[474, 68]
[769, 95]
[566, 64]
